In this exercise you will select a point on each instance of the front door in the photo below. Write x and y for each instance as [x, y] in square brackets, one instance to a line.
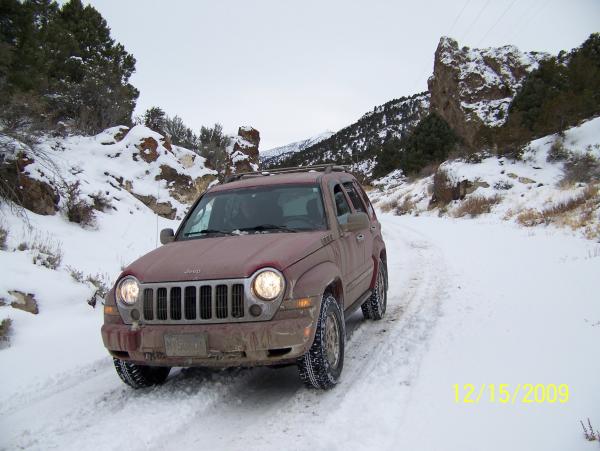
[351, 248]
[364, 239]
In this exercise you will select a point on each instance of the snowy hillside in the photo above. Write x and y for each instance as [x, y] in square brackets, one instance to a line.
[555, 182]
[272, 156]
[354, 144]
[127, 177]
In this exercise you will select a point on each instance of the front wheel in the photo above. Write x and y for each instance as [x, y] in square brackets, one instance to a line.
[375, 306]
[322, 365]
[140, 376]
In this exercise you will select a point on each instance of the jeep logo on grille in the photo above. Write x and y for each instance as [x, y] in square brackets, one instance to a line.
[192, 271]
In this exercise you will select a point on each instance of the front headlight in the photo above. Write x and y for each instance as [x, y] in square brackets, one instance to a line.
[268, 284]
[127, 290]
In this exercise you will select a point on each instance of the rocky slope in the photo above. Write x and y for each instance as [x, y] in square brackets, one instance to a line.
[473, 88]
[355, 144]
[272, 157]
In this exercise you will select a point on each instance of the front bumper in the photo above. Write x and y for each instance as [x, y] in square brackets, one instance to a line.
[281, 340]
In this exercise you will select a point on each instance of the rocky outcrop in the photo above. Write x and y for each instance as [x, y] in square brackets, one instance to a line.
[24, 301]
[164, 209]
[181, 186]
[148, 148]
[472, 88]
[33, 194]
[243, 151]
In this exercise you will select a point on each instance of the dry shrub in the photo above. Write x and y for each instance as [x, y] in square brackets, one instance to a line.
[77, 209]
[101, 202]
[442, 188]
[46, 251]
[101, 283]
[387, 206]
[530, 218]
[571, 204]
[407, 206]
[557, 151]
[3, 236]
[476, 205]
[581, 169]
[578, 212]
[5, 326]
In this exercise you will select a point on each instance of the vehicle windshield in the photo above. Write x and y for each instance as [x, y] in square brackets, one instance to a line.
[266, 209]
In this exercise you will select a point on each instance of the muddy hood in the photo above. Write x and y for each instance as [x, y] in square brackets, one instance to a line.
[224, 257]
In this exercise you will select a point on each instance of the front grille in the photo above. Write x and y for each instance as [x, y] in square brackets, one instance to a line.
[197, 303]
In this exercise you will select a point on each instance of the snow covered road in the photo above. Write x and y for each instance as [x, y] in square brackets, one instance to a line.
[469, 302]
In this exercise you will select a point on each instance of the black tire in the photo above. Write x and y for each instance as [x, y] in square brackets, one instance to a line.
[141, 376]
[375, 306]
[321, 366]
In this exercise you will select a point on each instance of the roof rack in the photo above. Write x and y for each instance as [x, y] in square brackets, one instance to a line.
[327, 168]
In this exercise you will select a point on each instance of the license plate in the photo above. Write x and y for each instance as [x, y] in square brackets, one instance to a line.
[186, 345]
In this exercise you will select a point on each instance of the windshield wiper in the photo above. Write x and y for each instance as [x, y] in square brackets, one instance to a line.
[264, 227]
[207, 231]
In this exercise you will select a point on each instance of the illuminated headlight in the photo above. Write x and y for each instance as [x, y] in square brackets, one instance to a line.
[127, 290]
[268, 285]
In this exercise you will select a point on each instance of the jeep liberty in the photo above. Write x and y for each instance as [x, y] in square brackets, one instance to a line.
[263, 270]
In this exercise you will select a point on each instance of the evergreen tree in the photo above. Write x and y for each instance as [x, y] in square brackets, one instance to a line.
[154, 119]
[213, 147]
[65, 58]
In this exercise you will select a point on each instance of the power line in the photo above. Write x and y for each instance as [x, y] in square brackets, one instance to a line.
[496, 23]
[456, 19]
[476, 19]
[525, 18]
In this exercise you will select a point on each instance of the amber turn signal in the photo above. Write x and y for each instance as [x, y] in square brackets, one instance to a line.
[304, 303]
[110, 310]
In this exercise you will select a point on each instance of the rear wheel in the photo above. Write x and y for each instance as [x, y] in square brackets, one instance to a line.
[375, 306]
[322, 365]
[140, 376]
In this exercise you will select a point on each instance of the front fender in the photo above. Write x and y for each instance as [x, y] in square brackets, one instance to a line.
[314, 280]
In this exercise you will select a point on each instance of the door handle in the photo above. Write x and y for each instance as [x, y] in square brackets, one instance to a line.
[360, 237]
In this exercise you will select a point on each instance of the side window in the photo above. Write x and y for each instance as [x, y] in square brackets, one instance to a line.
[366, 200]
[342, 209]
[201, 218]
[353, 195]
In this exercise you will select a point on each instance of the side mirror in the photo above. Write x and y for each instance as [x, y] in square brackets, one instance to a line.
[166, 236]
[356, 221]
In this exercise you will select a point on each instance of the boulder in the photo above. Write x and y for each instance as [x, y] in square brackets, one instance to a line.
[24, 301]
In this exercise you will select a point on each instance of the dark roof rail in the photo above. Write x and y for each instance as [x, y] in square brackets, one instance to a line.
[327, 168]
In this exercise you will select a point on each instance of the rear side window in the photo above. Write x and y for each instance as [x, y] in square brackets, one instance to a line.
[354, 197]
[366, 200]
[342, 209]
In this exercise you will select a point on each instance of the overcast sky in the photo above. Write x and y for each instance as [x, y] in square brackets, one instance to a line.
[296, 69]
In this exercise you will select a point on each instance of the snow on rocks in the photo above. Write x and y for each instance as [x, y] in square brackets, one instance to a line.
[532, 184]
[472, 88]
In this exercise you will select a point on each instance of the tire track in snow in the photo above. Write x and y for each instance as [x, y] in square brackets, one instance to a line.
[254, 408]
[376, 352]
